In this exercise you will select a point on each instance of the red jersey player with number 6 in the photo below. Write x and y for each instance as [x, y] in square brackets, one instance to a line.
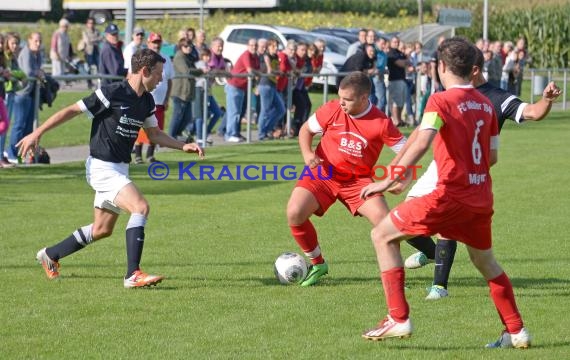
[463, 126]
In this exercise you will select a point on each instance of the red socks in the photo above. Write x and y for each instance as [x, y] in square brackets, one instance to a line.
[393, 283]
[502, 294]
[306, 236]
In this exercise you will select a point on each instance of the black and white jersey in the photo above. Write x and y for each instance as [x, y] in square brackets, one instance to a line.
[507, 105]
[118, 114]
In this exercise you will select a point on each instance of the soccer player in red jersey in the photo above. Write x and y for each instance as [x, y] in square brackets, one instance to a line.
[353, 135]
[463, 127]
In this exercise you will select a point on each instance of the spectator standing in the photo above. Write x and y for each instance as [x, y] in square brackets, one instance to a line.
[379, 79]
[521, 64]
[357, 45]
[213, 112]
[301, 100]
[397, 86]
[200, 41]
[287, 63]
[236, 88]
[30, 62]
[494, 68]
[111, 61]
[183, 89]
[218, 66]
[90, 41]
[60, 49]
[509, 58]
[272, 107]
[361, 61]
[160, 94]
[14, 78]
[136, 44]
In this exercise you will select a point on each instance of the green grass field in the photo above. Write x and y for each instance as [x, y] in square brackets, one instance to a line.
[216, 241]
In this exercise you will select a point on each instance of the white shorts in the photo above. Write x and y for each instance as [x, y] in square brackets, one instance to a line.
[426, 183]
[107, 179]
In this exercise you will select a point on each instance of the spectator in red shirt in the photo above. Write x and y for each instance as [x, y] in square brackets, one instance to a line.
[247, 63]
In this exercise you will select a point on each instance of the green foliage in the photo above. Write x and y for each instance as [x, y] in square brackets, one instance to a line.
[547, 30]
[386, 8]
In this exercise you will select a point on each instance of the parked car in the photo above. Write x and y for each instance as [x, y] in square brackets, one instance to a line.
[236, 37]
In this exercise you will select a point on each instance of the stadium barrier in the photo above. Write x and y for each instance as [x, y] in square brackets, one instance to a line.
[534, 75]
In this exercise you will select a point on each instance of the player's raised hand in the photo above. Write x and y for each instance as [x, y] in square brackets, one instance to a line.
[193, 147]
[551, 92]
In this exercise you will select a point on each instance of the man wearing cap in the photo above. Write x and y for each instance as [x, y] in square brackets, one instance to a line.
[60, 48]
[133, 46]
[161, 95]
[111, 60]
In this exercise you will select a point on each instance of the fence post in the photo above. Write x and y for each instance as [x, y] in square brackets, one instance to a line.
[249, 96]
[532, 76]
[205, 115]
[326, 89]
[289, 104]
[564, 89]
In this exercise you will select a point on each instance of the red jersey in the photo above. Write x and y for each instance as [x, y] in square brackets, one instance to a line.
[285, 67]
[462, 146]
[351, 143]
[245, 61]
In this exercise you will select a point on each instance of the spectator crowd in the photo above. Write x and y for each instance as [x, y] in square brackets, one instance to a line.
[403, 77]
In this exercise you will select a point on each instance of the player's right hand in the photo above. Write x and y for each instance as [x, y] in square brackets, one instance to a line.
[28, 144]
[551, 92]
[313, 162]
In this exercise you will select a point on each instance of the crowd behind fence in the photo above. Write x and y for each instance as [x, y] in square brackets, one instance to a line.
[539, 78]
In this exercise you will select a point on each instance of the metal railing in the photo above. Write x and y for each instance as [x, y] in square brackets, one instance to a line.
[558, 75]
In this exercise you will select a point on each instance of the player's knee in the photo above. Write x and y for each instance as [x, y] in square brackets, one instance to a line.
[295, 215]
[101, 231]
[142, 207]
[376, 234]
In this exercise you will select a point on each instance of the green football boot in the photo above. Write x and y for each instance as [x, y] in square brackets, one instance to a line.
[315, 273]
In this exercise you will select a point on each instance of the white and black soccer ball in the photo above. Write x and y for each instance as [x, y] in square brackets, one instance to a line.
[290, 268]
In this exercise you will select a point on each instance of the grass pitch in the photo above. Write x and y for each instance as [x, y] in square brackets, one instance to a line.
[215, 241]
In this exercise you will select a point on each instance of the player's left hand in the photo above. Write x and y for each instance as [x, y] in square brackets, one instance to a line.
[375, 188]
[551, 92]
[193, 147]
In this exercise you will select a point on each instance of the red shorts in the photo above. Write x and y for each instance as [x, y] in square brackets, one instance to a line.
[142, 138]
[327, 190]
[437, 213]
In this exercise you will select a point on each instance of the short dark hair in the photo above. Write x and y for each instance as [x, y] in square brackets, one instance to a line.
[479, 59]
[145, 57]
[458, 54]
[358, 81]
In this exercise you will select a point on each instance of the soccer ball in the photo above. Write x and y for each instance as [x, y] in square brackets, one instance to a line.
[290, 268]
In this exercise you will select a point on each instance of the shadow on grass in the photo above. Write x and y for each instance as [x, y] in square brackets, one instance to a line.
[198, 187]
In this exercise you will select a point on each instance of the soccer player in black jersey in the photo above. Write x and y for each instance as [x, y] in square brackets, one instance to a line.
[507, 106]
[117, 111]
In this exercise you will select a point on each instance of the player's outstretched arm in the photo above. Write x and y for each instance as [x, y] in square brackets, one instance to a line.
[157, 136]
[417, 148]
[541, 108]
[306, 145]
[31, 141]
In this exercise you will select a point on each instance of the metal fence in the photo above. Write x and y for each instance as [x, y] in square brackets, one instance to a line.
[539, 78]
